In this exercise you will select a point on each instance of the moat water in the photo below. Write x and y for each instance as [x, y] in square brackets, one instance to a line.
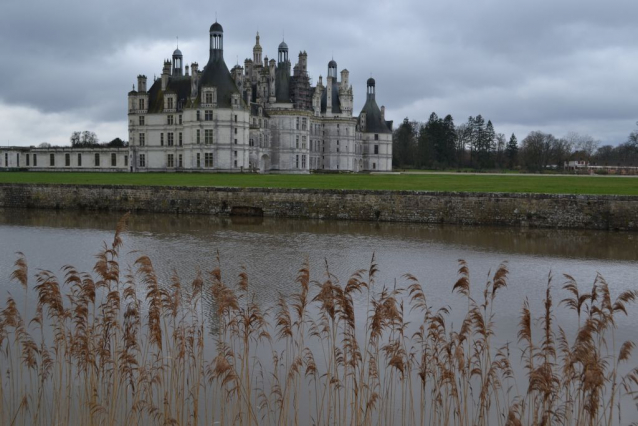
[273, 250]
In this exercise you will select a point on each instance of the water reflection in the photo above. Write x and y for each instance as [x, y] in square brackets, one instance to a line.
[574, 244]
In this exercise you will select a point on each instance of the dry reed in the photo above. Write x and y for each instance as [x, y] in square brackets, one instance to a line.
[123, 348]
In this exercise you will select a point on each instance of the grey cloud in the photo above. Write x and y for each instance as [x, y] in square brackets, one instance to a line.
[522, 64]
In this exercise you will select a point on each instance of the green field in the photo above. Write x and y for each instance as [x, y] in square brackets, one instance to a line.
[421, 182]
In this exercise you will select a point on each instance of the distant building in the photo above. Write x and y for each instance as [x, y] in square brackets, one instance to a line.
[265, 116]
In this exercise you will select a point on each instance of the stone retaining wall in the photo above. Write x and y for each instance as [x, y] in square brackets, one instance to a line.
[528, 210]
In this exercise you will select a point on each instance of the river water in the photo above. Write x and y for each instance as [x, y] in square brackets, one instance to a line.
[273, 250]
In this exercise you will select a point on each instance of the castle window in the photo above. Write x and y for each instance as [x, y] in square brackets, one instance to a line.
[208, 115]
[161, 139]
[198, 117]
[297, 123]
[208, 159]
[303, 161]
[180, 138]
[142, 160]
[376, 149]
[376, 136]
[235, 118]
[51, 159]
[235, 154]
[141, 120]
[297, 161]
[198, 136]
[142, 139]
[179, 161]
[209, 98]
[169, 103]
[35, 160]
[170, 160]
[304, 124]
[113, 160]
[235, 163]
[79, 160]
[199, 160]
[170, 138]
[169, 120]
[141, 103]
[27, 159]
[67, 160]
[180, 119]
[235, 141]
[297, 142]
[125, 160]
[374, 166]
[208, 136]
[235, 130]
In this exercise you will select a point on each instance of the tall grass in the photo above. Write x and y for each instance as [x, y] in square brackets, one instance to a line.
[119, 347]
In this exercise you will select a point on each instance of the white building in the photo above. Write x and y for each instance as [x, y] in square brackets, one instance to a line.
[262, 117]
[257, 117]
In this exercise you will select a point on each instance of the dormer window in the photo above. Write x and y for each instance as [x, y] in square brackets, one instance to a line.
[141, 103]
[209, 96]
[169, 103]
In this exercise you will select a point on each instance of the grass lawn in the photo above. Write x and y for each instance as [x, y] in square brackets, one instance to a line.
[422, 182]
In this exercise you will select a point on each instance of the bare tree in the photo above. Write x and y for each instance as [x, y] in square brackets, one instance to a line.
[536, 150]
[584, 144]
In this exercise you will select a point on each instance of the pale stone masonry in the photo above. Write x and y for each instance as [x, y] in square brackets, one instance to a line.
[263, 117]
[605, 212]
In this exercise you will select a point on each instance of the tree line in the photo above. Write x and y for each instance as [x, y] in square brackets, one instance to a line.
[440, 144]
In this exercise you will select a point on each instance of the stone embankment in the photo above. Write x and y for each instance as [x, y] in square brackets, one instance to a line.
[524, 210]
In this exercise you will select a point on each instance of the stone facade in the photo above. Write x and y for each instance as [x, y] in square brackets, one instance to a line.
[523, 210]
[65, 159]
[264, 116]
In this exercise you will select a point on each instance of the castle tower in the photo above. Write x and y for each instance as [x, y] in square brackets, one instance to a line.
[216, 41]
[371, 89]
[257, 51]
[178, 63]
[283, 74]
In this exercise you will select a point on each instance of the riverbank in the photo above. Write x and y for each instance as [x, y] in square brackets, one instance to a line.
[603, 212]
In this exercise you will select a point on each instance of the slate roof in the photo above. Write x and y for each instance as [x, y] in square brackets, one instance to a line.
[336, 101]
[374, 122]
[216, 74]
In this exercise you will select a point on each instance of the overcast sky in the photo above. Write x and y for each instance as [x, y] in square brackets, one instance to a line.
[550, 65]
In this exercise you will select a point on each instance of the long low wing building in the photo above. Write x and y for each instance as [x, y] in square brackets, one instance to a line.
[263, 117]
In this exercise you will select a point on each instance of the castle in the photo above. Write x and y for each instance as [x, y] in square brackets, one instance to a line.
[262, 117]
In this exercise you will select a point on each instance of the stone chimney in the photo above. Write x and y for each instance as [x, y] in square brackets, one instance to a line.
[165, 73]
[329, 94]
[383, 113]
[141, 83]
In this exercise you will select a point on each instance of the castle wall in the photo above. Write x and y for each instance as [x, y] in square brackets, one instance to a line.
[521, 210]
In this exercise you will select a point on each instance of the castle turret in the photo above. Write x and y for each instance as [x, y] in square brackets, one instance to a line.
[216, 42]
[283, 74]
[177, 63]
[257, 50]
